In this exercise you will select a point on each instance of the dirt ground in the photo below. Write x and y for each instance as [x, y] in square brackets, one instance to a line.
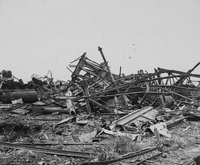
[183, 145]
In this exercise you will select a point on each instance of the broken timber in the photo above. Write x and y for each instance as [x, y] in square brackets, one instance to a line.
[49, 151]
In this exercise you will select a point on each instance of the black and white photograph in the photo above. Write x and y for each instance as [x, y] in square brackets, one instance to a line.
[100, 82]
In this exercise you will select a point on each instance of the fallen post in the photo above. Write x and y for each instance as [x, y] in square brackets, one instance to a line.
[48, 151]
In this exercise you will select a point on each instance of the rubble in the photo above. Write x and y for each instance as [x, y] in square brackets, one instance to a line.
[111, 105]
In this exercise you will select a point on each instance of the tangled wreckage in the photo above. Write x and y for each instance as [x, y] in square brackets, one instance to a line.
[132, 106]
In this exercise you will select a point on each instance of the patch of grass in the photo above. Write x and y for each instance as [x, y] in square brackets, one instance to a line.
[106, 153]
[118, 146]
[124, 145]
[180, 141]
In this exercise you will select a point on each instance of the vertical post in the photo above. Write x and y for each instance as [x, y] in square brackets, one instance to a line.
[104, 59]
[84, 86]
[120, 71]
[111, 75]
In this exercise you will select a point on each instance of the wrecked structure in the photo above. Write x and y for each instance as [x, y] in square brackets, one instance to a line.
[128, 106]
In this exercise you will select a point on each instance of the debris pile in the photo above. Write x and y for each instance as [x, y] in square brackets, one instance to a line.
[134, 106]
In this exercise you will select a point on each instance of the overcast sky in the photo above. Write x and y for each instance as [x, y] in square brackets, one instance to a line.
[41, 35]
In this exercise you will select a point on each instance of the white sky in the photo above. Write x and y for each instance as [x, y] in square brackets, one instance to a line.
[41, 35]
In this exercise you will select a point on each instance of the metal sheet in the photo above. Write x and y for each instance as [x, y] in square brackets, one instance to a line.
[131, 116]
